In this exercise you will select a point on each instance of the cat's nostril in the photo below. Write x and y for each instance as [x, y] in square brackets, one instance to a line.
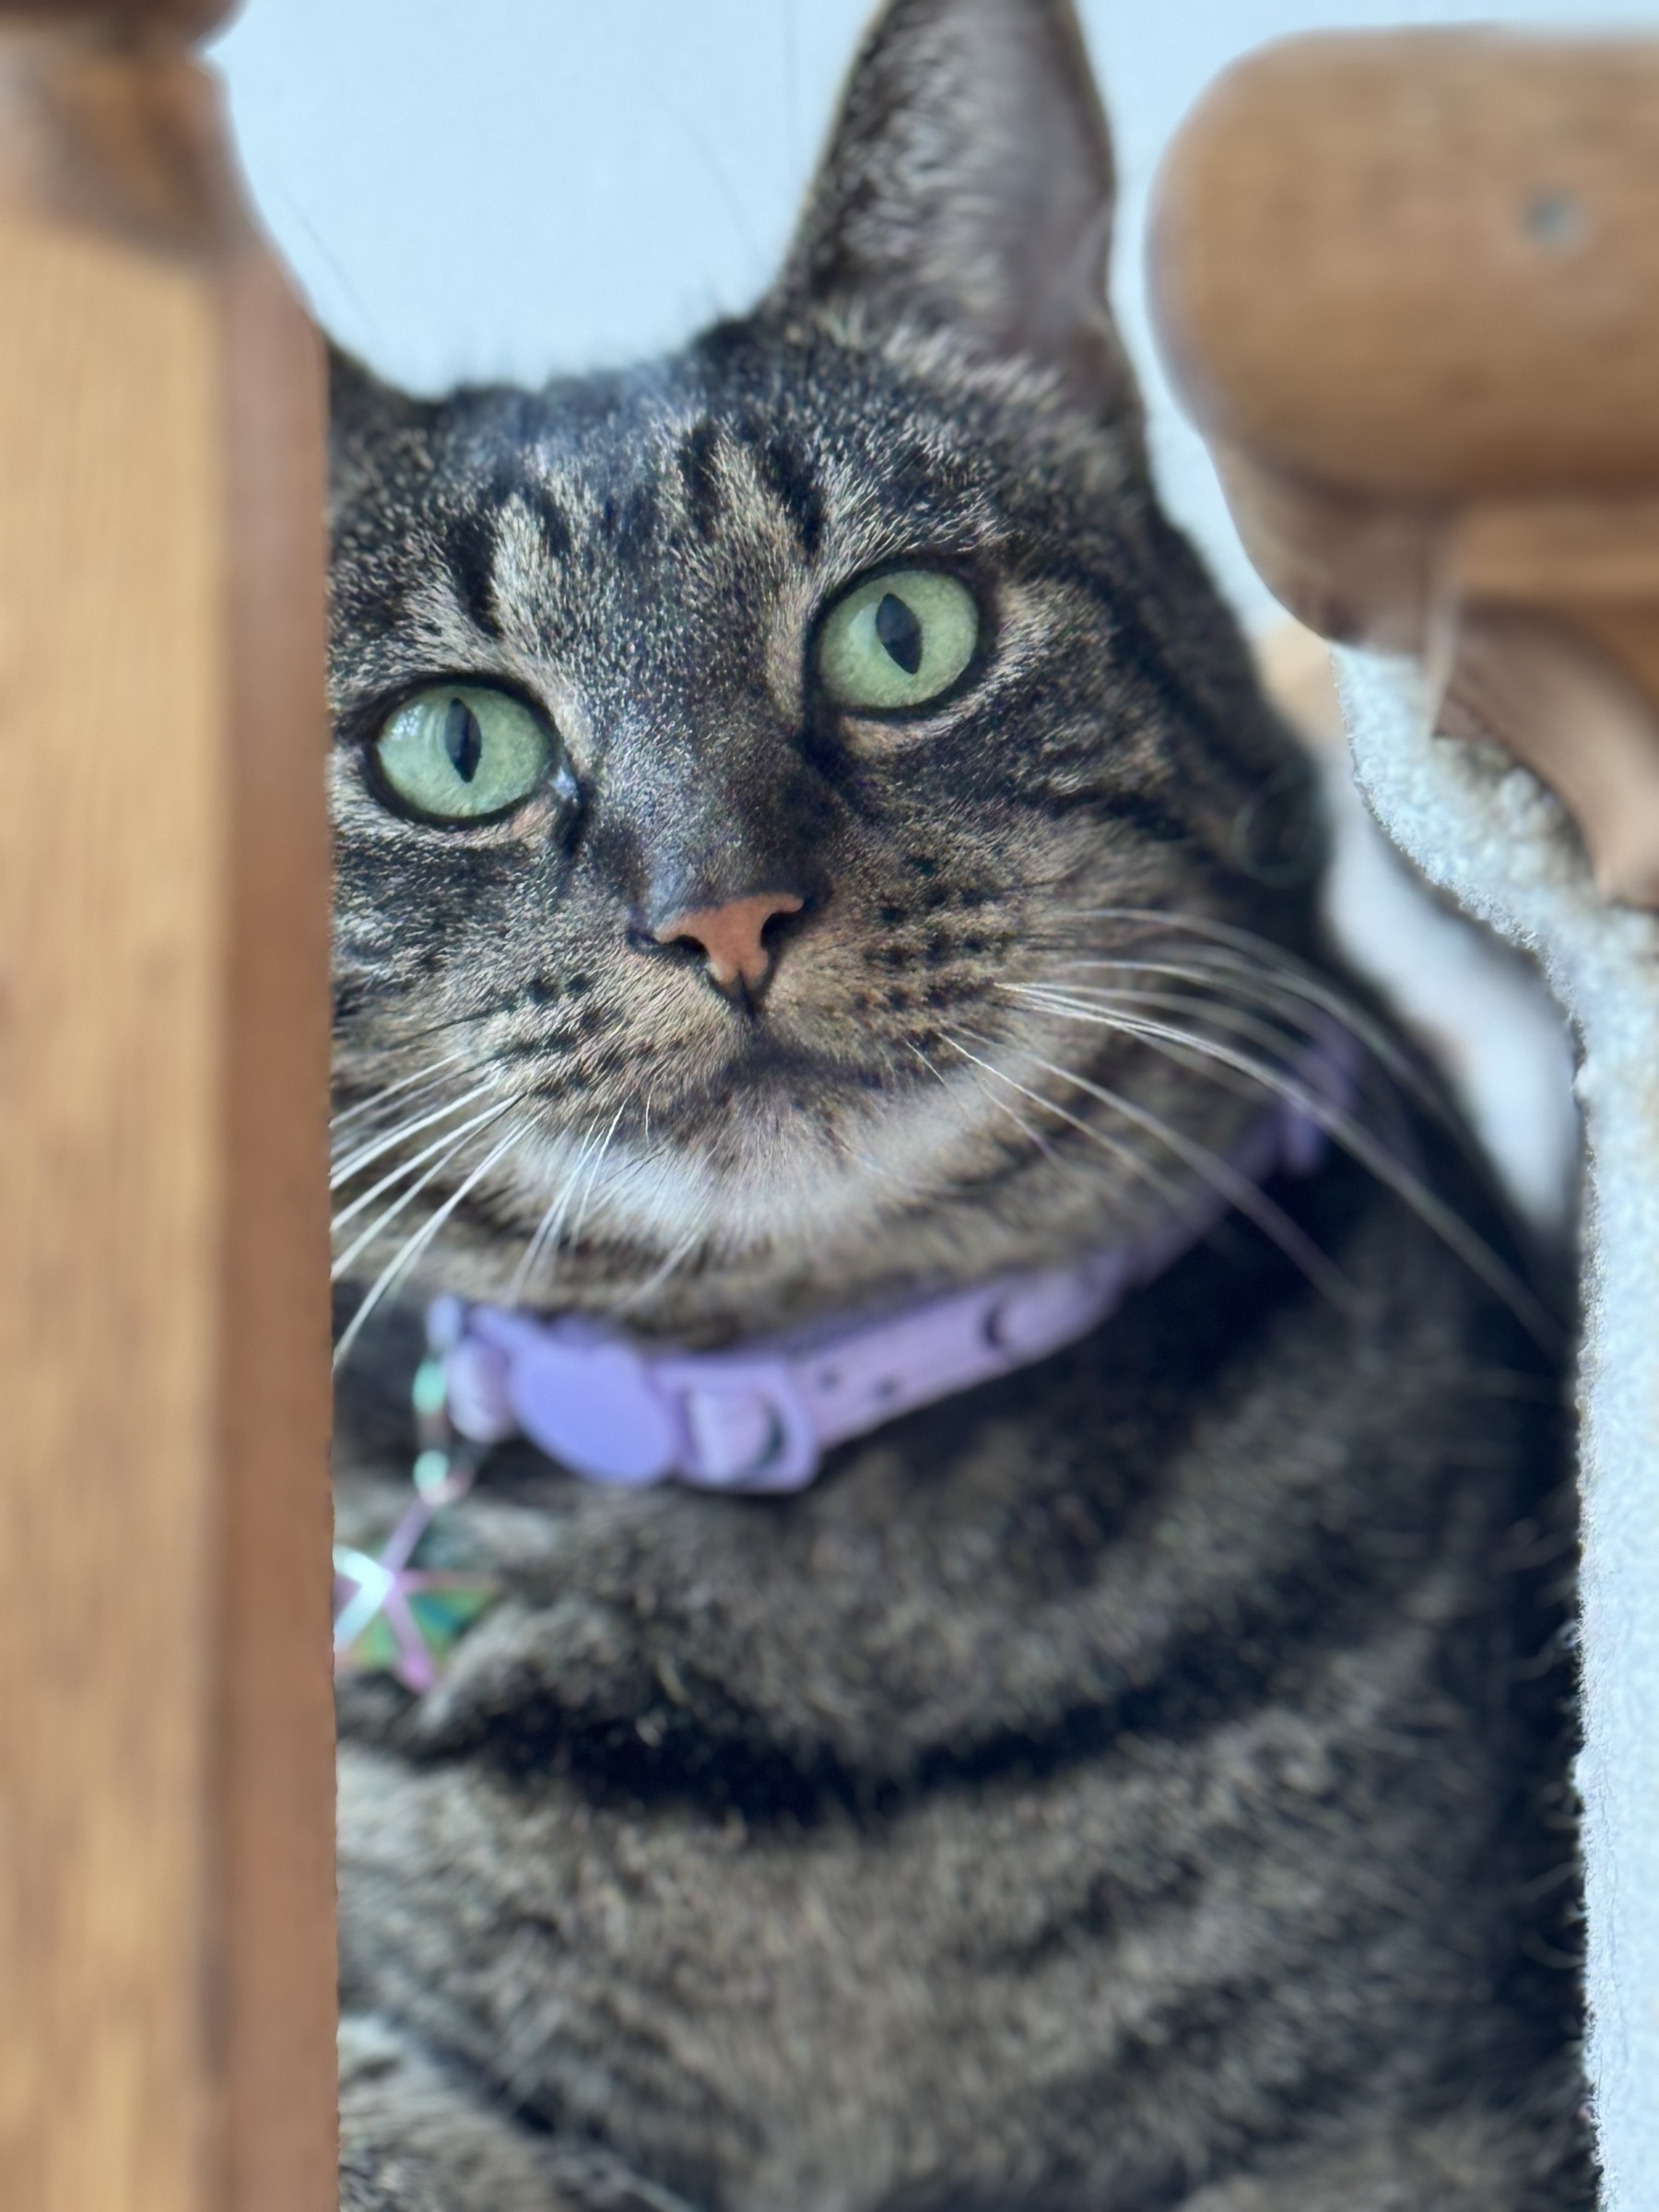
[732, 937]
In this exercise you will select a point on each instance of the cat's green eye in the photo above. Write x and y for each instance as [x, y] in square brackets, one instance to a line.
[462, 752]
[898, 641]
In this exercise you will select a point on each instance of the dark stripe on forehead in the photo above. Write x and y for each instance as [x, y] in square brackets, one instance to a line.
[697, 456]
[469, 548]
[631, 522]
[787, 473]
[558, 535]
[472, 540]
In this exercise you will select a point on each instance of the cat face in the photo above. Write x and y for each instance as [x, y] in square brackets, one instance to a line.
[744, 765]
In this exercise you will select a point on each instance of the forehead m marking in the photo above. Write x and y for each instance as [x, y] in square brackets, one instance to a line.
[787, 473]
[698, 461]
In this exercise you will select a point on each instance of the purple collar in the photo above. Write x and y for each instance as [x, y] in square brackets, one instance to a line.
[760, 1418]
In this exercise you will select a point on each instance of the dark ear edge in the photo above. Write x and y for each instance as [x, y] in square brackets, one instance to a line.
[969, 185]
[360, 401]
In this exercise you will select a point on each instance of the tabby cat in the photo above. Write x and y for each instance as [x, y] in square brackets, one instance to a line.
[808, 835]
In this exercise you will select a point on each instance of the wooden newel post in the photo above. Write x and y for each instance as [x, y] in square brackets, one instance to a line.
[166, 1869]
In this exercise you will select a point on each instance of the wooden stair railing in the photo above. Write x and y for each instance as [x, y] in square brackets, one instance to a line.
[166, 1778]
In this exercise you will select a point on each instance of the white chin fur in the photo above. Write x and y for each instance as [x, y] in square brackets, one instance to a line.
[778, 1177]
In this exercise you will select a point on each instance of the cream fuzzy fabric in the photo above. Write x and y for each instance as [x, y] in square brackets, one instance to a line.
[1486, 831]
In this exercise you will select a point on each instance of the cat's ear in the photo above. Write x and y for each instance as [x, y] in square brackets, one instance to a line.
[968, 185]
[365, 416]
[360, 405]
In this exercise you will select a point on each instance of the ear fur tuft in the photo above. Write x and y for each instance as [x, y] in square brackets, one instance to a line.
[969, 185]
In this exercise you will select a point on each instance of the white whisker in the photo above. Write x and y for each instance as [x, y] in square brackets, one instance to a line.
[450, 1137]
[654, 1281]
[434, 1072]
[1123, 1153]
[1220, 1176]
[1085, 998]
[378, 1147]
[347, 1259]
[391, 1275]
[546, 1229]
[548, 1233]
[984, 1090]
[1242, 951]
[1221, 983]
[1357, 1142]
[590, 1180]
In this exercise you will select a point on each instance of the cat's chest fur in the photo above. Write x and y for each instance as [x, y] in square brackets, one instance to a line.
[1082, 1773]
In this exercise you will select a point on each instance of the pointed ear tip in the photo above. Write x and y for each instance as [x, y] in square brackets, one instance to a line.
[970, 150]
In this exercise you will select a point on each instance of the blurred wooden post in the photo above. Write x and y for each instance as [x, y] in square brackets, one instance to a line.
[166, 1861]
[1409, 284]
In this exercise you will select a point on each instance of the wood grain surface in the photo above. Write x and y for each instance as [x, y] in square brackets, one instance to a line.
[1408, 285]
[166, 1883]
[1422, 264]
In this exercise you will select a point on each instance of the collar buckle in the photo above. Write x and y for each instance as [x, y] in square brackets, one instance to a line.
[748, 1425]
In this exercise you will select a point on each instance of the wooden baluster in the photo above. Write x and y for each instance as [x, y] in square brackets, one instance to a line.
[166, 1780]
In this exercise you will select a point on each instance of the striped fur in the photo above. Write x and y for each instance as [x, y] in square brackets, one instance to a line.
[1135, 1785]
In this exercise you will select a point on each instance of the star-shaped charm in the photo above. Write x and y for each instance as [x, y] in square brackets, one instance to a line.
[394, 1617]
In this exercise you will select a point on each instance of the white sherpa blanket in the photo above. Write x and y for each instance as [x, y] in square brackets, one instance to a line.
[1486, 831]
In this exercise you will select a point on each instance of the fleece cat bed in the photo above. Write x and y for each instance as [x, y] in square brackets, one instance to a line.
[1486, 830]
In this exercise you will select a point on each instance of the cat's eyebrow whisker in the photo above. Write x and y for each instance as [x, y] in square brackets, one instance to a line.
[1245, 1197]
[452, 1138]
[424, 1078]
[1355, 1140]
[450, 1147]
[377, 1148]
[397, 1268]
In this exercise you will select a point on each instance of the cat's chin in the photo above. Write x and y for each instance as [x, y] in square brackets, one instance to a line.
[761, 1212]
[772, 1160]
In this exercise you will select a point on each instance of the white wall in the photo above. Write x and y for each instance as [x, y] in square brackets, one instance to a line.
[472, 188]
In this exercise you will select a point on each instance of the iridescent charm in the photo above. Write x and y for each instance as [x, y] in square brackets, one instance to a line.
[393, 1616]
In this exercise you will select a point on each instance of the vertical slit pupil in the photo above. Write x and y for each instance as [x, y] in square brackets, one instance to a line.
[463, 739]
[899, 631]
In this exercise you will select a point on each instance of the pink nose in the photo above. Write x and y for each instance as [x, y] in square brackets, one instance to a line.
[730, 936]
